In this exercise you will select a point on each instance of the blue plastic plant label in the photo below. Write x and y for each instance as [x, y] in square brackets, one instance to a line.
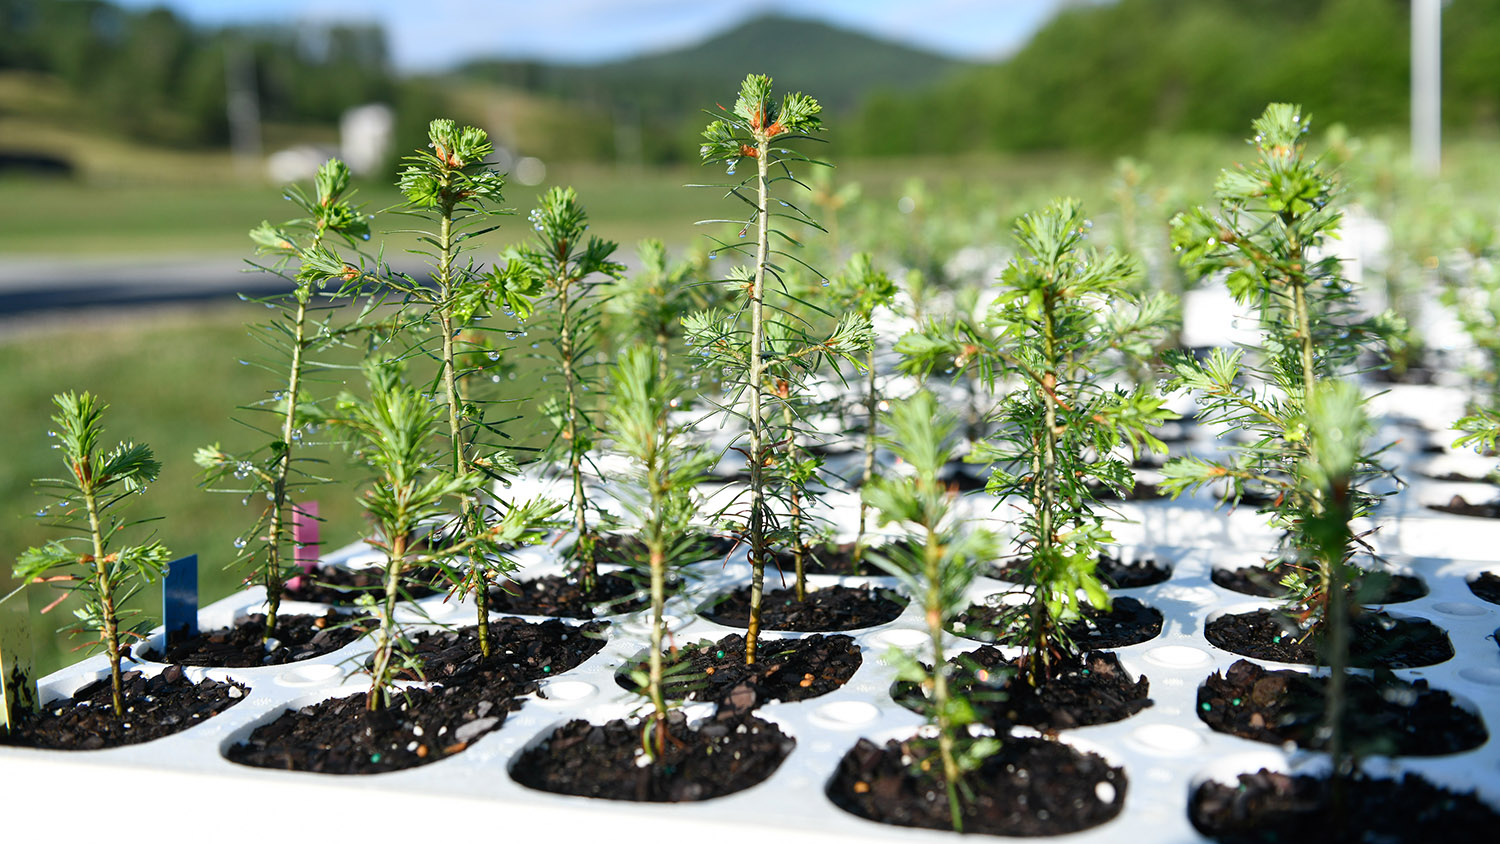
[17, 673]
[179, 598]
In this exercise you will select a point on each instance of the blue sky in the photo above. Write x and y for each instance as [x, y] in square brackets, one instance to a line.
[429, 34]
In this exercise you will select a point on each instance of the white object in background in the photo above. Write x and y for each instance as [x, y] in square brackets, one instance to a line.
[366, 135]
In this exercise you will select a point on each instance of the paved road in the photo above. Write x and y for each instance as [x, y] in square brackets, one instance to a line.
[32, 288]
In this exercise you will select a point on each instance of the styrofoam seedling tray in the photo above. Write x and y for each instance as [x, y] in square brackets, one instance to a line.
[1164, 750]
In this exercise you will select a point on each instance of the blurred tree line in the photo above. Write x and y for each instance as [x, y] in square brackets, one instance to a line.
[1104, 76]
[153, 77]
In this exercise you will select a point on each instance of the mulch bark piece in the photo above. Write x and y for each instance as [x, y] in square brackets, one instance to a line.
[562, 597]
[1029, 787]
[1111, 571]
[418, 727]
[1127, 622]
[1265, 583]
[1458, 506]
[343, 587]
[830, 609]
[1376, 640]
[241, 646]
[1391, 717]
[699, 548]
[520, 651]
[785, 669]
[701, 761]
[1093, 689]
[1275, 808]
[154, 707]
[1486, 587]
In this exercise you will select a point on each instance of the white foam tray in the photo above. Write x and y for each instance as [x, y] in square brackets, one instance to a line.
[1164, 750]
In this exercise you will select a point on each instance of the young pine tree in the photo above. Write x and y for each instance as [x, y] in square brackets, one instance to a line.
[393, 432]
[452, 189]
[91, 561]
[564, 263]
[1266, 239]
[303, 328]
[860, 289]
[735, 341]
[937, 565]
[638, 421]
[1062, 324]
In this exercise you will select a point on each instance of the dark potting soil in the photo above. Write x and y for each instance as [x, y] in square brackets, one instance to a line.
[562, 597]
[339, 736]
[1029, 787]
[1264, 583]
[1392, 717]
[154, 707]
[1377, 640]
[728, 753]
[1275, 808]
[1114, 573]
[1486, 587]
[520, 651]
[784, 669]
[1128, 622]
[343, 586]
[832, 608]
[628, 549]
[1458, 506]
[299, 637]
[1091, 690]
[1461, 478]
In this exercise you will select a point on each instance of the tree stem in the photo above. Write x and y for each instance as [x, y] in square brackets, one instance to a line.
[869, 470]
[273, 573]
[757, 424]
[385, 637]
[106, 597]
[587, 563]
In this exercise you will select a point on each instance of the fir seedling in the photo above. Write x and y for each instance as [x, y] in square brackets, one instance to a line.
[638, 421]
[304, 257]
[90, 562]
[860, 289]
[938, 564]
[1274, 217]
[736, 341]
[393, 432]
[565, 263]
[1063, 324]
[452, 186]
[1337, 430]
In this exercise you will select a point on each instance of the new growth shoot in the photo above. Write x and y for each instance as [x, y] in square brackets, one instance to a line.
[937, 565]
[638, 422]
[766, 132]
[90, 563]
[305, 258]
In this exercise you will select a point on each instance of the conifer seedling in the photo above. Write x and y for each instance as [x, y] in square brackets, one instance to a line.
[92, 562]
[277, 470]
[937, 566]
[452, 186]
[638, 421]
[763, 133]
[393, 432]
[565, 262]
[1062, 324]
[1265, 239]
[861, 288]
